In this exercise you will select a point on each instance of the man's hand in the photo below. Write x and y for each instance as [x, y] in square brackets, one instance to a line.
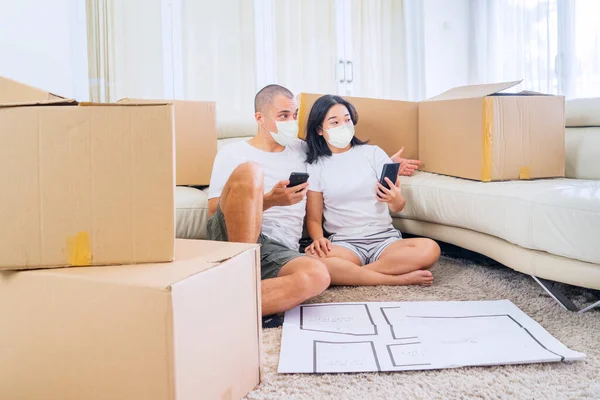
[281, 195]
[392, 196]
[407, 167]
[321, 247]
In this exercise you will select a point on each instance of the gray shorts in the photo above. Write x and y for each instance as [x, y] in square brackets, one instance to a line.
[273, 255]
[367, 248]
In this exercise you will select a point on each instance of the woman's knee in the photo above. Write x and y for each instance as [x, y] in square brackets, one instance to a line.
[430, 252]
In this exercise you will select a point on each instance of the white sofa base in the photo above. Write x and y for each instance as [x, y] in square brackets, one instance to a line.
[531, 262]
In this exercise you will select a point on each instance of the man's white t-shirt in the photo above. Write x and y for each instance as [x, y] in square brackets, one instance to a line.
[348, 182]
[283, 224]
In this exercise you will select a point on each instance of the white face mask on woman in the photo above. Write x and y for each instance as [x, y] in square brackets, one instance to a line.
[287, 132]
[341, 136]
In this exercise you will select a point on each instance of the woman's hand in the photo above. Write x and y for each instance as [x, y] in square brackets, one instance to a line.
[392, 196]
[407, 167]
[320, 247]
[389, 195]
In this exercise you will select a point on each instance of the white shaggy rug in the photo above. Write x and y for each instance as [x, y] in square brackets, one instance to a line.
[458, 279]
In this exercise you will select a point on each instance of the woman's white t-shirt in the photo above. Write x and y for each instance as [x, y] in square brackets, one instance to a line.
[348, 182]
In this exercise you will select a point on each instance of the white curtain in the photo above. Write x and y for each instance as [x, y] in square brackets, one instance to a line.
[379, 49]
[218, 59]
[228, 49]
[582, 56]
[218, 51]
[553, 45]
[515, 39]
[296, 44]
[125, 49]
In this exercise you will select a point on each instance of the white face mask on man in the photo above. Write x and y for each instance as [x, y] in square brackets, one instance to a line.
[287, 132]
[341, 136]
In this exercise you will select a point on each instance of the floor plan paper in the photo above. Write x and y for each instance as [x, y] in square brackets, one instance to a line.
[372, 337]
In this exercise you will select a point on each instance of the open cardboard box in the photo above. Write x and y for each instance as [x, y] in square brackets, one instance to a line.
[190, 329]
[472, 132]
[84, 183]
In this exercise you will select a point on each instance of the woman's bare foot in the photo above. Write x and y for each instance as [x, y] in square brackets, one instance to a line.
[419, 277]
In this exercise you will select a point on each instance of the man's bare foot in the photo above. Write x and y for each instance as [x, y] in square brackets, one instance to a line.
[419, 277]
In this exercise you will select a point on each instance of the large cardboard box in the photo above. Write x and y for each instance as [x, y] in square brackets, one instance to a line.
[189, 329]
[474, 132]
[389, 124]
[85, 184]
[195, 139]
[17, 92]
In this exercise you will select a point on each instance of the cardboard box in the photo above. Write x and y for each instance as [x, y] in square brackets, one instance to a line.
[190, 329]
[474, 132]
[471, 132]
[86, 184]
[195, 139]
[16, 92]
[389, 124]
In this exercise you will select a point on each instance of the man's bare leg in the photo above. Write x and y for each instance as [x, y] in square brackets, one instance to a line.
[299, 280]
[242, 205]
[407, 256]
[345, 270]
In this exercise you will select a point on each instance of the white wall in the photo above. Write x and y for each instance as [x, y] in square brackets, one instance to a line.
[446, 36]
[44, 43]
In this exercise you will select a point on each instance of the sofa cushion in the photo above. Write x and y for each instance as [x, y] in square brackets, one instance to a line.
[233, 128]
[583, 112]
[191, 213]
[558, 216]
[582, 146]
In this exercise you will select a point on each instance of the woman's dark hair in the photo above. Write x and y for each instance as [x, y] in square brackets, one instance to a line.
[317, 145]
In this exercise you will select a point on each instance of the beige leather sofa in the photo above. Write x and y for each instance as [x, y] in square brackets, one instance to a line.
[549, 229]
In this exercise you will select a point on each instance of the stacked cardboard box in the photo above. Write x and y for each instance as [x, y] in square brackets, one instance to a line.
[195, 139]
[90, 188]
[473, 132]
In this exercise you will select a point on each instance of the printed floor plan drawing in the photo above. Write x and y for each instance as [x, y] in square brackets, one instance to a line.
[372, 337]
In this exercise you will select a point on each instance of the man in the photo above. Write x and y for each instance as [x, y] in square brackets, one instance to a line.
[250, 203]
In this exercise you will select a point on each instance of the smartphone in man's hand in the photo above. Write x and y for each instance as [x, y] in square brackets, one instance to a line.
[297, 178]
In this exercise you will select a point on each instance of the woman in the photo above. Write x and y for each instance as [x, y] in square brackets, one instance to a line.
[344, 188]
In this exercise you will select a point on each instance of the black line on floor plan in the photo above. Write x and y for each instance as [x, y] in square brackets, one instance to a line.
[400, 338]
[326, 342]
[302, 307]
[382, 309]
[562, 358]
[389, 349]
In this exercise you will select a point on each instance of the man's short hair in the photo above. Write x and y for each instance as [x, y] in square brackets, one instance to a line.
[265, 96]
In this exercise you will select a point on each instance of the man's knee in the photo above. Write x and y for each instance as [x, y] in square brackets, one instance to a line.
[430, 252]
[247, 178]
[312, 277]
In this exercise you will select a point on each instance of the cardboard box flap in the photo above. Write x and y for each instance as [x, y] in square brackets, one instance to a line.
[12, 92]
[53, 102]
[159, 275]
[128, 101]
[474, 91]
[132, 104]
